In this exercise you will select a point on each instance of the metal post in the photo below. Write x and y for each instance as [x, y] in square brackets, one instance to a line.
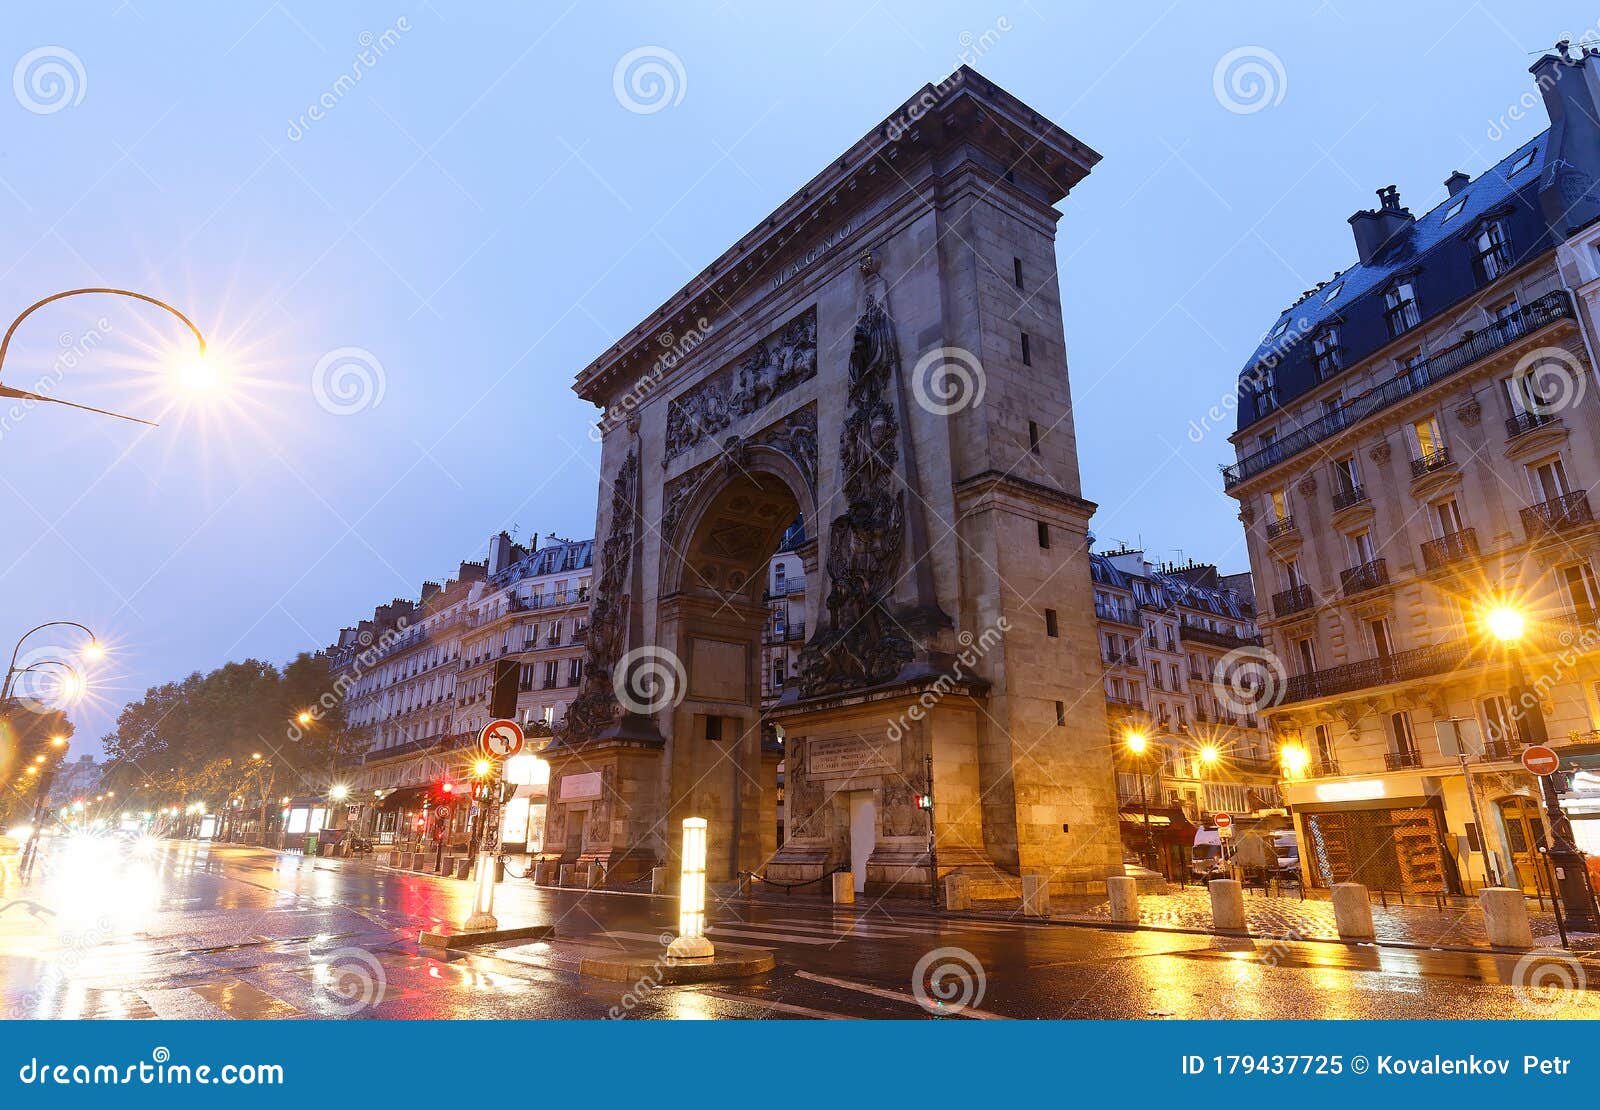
[933, 846]
[1490, 864]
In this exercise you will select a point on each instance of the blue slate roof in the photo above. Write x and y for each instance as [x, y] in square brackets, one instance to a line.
[1436, 252]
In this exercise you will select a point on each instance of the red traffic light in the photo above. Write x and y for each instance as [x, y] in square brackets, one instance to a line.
[447, 788]
[924, 801]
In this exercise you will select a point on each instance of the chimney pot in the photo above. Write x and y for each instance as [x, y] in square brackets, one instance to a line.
[1456, 182]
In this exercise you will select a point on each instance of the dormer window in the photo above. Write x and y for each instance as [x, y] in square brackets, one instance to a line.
[1400, 308]
[1522, 163]
[1326, 354]
[1283, 326]
[1454, 210]
[1332, 294]
[1492, 253]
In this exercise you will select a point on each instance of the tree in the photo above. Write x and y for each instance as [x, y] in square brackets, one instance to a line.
[26, 734]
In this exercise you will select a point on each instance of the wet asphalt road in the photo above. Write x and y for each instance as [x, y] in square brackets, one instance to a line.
[180, 930]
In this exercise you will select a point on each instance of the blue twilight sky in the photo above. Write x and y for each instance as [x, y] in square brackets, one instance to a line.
[481, 214]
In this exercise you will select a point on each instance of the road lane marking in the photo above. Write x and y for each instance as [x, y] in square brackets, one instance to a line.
[898, 996]
[784, 1007]
[790, 938]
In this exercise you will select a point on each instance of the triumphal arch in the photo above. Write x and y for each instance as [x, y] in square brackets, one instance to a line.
[882, 359]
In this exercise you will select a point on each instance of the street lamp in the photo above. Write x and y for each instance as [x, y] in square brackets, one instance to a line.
[1138, 744]
[1295, 760]
[22, 394]
[1507, 625]
[92, 651]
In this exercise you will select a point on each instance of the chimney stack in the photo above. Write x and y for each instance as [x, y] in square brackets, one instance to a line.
[1378, 229]
[1570, 85]
[1456, 182]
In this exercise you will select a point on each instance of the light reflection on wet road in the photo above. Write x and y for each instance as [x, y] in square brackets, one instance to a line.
[182, 930]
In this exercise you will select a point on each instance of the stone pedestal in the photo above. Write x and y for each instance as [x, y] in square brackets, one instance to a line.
[1505, 917]
[1035, 896]
[1227, 905]
[844, 888]
[1352, 912]
[1123, 894]
[568, 871]
[957, 893]
[597, 876]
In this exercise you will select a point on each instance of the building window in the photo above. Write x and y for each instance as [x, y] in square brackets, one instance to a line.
[1427, 439]
[1044, 534]
[1400, 308]
[713, 728]
[1061, 711]
[1493, 252]
[1306, 651]
[1033, 437]
[551, 674]
[1016, 272]
[1499, 728]
[777, 674]
[1548, 480]
[1050, 623]
[1027, 350]
[1326, 354]
[574, 671]
[1582, 595]
[1378, 633]
[1405, 736]
[1347, 478]
[1323, 738]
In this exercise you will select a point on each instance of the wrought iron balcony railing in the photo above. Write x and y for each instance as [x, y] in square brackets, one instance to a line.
[1401, 666]
[1400, 760]
[1559, 514]
[1350, 495]
[1281, 526]
[1453, 548]
[1292, 600]
[1437, 459]
[1553, 306]
[1367, 576]
[1119, 614]
[1200, 634]
[1525, 422]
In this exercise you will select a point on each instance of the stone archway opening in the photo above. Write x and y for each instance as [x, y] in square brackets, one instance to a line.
[717, 619]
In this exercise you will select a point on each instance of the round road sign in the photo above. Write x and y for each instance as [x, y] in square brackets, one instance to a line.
[1224, 820]
[1540, 760]
[501, 739]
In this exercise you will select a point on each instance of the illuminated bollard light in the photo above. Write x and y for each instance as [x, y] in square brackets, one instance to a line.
[1505, 917]
[483, 895]
[691, 942]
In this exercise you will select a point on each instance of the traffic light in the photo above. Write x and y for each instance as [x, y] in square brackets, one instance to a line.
[924, 801]
[482, 791]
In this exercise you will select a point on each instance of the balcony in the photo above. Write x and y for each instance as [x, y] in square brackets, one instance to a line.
[1423, 662]
[1546, 310]
[1399, 761]
[1280, 527]
[1292, 601]
[1525, 422]
[1348, 497]
[1562, 514]
[1367, 576]
[1118, 614]
[1200, 634]
[1437, 459]
[1326, 769]
[1453, 548]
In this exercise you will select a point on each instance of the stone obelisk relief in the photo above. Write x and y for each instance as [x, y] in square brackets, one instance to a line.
[945, 643]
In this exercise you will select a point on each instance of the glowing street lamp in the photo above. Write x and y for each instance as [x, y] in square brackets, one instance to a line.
[1210, 754]
[304, 718]
[691, 942]
[339, 792]
[1507, 624]
[1295, 760]
[93, 651]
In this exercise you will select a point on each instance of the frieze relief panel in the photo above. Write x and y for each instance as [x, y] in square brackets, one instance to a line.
[795, 436]
[770, 369]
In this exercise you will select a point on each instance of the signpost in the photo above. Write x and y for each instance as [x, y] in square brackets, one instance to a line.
[1460, 737]
[1540, 760]
[499, 740]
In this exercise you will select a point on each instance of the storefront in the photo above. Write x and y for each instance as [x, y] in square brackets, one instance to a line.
[1163, 843]
[522, 818]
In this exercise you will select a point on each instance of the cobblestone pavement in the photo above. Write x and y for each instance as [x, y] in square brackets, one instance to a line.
[1312, 919]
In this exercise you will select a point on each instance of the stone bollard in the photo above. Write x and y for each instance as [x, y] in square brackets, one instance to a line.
[463, 867]
[597, 875]
[1227, 905]
[1505, 917]
[844, 888]
[957, 892]
[544, 873]
[658, 880]
[564, 876]
[1123, 894]
[1352, 912]
[1035, 896]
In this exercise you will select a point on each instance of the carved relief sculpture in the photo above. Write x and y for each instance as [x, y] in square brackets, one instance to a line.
[860, 645]
[596, 706]
[773, 367]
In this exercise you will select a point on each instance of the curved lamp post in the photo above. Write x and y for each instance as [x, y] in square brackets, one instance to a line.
[5, 344]
[11, 668]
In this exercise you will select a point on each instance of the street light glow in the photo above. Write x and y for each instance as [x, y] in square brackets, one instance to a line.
[339, 792]
[94, 651]
[304, 718]
[199, 376]
[1137, 743]
[1295, 760]
[1505, 623]
[1209, 753]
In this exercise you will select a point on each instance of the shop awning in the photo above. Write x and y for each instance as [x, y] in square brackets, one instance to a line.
[402, 798]
[1167, 824]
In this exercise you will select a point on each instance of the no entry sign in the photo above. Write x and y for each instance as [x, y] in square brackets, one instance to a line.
[500, 739]
[1224, 820]
[1540, 760]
